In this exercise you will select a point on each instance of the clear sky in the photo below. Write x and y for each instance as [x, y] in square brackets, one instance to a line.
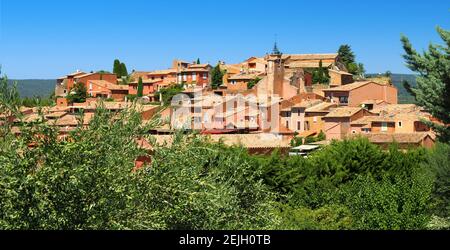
[50, 38]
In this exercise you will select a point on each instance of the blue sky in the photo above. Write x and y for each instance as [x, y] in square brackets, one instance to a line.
[47, 39]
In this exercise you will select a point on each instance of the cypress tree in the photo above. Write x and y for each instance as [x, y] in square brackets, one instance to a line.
[198, 60]
[433, 83]
[123, 70]
[117, 68]
[140, 88]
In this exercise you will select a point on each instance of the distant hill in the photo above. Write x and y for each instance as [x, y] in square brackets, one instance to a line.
[34, 87]
[397, 79]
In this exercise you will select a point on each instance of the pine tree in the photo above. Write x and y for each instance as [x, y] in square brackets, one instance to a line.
[140, 88]
[433, 83]
[216, 77]
[198, 60]
[346, 54]
[117, 68]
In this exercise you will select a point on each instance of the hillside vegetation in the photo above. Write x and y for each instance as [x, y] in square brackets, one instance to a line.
[34, 87]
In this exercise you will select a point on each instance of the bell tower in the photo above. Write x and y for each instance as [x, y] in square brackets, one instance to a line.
[275, 71]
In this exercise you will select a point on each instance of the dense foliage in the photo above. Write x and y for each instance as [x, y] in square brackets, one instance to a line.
[90, 181]
[168, 93]
[352, 184]
[78, 93]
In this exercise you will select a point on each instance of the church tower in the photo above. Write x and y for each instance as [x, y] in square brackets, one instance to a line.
[275, 72]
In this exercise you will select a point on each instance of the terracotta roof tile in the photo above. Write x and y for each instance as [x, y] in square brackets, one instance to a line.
[343, 112]
[397, 137]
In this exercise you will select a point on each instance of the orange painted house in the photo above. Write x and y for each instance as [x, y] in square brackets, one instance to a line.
[167, 76]
[105, 89]
[239, 82]
[149, 87]
[354, 94]
[112, 78]
[198, 74]
[63, 84]
[337, 123]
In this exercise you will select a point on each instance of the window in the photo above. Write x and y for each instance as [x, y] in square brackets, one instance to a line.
[315, 119]
[184, 77]
[306, 125]
[287, 124]
[384, 126]
[90, 86]
[366, 130]
[353, 131]
[298, 125]
[153, 78]
[343, 99]
[205, 75]
[162, 77]
[233, 82]
[194, 77]
[179, 78]
[400, 124]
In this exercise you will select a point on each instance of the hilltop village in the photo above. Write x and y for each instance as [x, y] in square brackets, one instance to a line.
[263, 103]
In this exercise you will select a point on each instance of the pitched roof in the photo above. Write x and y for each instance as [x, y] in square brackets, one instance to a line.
[311, 56]
[257, 59]
[71, 120]
[351, 86]
[108, 85]
[373, 101]
[243, 76]
[145, 81]
[321, 107]
[143, 74]
[300, 64]
[343, 112]
[199, 65]
[195, 70]
[162, 72]
[340, 72]
[89, 74]
[231, 68]
[307, 103]
[397, 137]
[396, 108]
[262, 140]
